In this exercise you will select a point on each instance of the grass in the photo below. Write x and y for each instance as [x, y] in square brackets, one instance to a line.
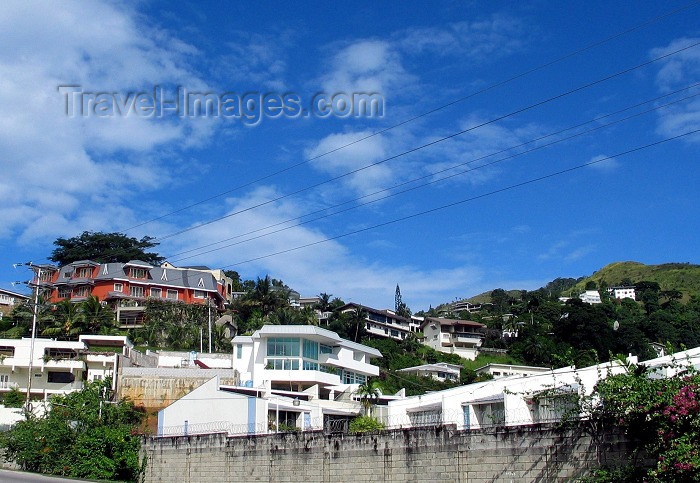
[670, 276]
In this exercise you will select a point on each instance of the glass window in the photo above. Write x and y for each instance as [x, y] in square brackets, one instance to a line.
[63, 377]
[310, 349]
[136, 291]
[325, 349]
[118, 287]
[172, 294]
[310, 366]
[239, 351]
[283, 364]
[199, 294]
[156, 292]
[283, 346]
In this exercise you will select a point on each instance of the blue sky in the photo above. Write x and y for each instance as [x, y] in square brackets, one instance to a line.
[63, 175]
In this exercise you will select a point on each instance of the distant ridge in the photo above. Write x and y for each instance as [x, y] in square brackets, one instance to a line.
[684, 277]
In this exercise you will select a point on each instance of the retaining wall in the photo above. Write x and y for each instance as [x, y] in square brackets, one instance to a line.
[533, 453]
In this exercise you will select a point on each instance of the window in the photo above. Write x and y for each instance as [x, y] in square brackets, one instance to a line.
[239, 351]
[325, 349]
[118, 287]
[172, 294]
[61, 377]
[199, 294]
[84, 272]
[7, 351]
[138, 273]
[283, 346]
[353, 378]
[156, 292]
[310, 366]
[310, 350]
[283, 364]
[328, 369]
[83, 291]
[64, 293]
[394, 333]
[4, 381]
[136, 291]
[426, 418]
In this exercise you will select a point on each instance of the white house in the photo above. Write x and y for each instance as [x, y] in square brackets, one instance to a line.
[453, 336]
[8, 300]
[521, 400]
[622, 292]
[504, 370]
[385, 323]
[58, 367]
[236, 410]
[439, 371]
[590, 297]
[302, 358]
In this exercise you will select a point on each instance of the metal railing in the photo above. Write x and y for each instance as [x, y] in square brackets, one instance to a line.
[459, 419]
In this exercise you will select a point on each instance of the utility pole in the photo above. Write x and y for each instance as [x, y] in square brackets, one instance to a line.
[34, 318]
[209, 310]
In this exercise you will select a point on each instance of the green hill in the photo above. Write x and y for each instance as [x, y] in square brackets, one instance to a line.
[485, 298]
[670, 276]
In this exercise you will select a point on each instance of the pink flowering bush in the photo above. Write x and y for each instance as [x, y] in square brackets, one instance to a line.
[663, 415]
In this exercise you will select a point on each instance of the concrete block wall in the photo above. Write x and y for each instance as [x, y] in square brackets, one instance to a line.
[532, 453]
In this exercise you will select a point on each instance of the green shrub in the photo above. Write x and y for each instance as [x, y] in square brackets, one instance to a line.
[13, 399]
[364, 424]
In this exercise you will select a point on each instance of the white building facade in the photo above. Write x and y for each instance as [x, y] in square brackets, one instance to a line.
[385, 323]
[453, 336]
[440, 371]
[623, 292]
[57, 367]
[301, 358]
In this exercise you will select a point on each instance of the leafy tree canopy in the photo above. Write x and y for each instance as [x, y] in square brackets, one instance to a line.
[104, 248]
[83, 435]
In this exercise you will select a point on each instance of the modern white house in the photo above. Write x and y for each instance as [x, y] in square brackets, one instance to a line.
[505, 370]
[384, 322]
[453, 336]
[58, 367]
[235, 410]
[521, 400]
[302, 358]
[622, 292]
[440, 371]
[8, 300]
[590, 297]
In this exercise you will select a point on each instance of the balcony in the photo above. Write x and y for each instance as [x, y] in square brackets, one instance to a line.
[298, 375]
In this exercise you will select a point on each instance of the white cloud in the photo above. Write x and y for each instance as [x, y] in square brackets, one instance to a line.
[370, 66]
[55, 168]
[478, 40]
[678, 71]
[328, 266]
[603, 165]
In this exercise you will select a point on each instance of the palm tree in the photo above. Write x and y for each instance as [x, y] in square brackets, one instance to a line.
[96, 316]
[324, 302]
[368, 393]
[358, 319]
[68, 320]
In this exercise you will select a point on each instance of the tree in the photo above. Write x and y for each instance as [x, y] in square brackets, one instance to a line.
[104, 248]
[401, 308]
[82, 435]
[368, 392]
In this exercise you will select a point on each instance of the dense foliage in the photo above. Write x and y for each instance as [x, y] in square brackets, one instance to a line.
[365, 424]
[64, 320]
[103, 248]
[83, 435]
[662, 415]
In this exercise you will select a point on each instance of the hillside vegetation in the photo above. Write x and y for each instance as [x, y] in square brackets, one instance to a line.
[683, 277]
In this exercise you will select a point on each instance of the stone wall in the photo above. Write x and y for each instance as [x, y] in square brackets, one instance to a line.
[523, 454]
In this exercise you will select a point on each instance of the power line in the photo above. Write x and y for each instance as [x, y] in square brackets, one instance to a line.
[484, 195]
[437, 141]
[436, 180]
[431, 111]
